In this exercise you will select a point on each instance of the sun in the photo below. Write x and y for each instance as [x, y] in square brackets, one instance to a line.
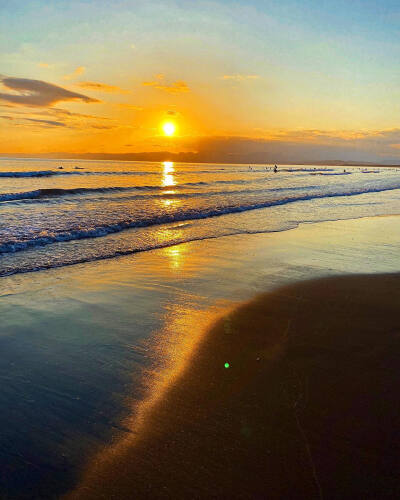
[169, 128]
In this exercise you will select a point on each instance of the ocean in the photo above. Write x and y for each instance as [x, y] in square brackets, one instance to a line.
[58, 213]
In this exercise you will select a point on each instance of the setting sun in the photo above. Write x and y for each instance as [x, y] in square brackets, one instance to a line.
[169, 128]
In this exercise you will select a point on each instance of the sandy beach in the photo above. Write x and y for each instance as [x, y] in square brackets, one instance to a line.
[305, 408]
[115, 383]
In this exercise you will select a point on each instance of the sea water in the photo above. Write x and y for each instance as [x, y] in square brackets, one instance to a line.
[58, 213]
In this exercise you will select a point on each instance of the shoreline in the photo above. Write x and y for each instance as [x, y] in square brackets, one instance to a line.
[131, 253]
[306, 409]
[91, 340]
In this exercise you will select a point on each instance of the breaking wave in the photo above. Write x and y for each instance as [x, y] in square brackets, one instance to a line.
[47, 238]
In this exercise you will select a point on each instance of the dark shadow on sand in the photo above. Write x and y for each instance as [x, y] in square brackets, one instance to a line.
[308, 407]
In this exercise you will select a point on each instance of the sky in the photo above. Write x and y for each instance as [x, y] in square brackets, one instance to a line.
[305, 80]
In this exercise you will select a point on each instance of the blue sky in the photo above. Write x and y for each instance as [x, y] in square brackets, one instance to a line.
[294, 65]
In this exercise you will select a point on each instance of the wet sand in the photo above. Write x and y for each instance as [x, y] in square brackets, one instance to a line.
[308, 407]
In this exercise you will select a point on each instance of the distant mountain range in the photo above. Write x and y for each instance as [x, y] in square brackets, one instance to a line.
[194, 157]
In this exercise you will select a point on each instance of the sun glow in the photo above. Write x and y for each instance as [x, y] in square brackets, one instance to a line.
[169, 128]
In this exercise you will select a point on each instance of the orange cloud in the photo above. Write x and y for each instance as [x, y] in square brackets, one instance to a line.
[45, 123]
[239, 77]
[44, 65]
[78, 71]
[126, 105]
[102, 87]
[177, 87]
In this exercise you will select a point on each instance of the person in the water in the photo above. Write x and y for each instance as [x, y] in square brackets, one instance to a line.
[275, 169]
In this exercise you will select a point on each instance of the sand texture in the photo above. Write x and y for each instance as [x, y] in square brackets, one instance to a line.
[308, 407]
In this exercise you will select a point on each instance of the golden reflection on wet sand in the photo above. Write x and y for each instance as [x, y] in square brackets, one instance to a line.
[174, 347]
[285, 426]
[167, 234]
[175, 256]
[284, 397]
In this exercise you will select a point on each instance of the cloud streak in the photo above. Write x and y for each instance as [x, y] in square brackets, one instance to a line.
[50, 123]
[132, 107]
[177, 87]
[77, 72]
[239, 77]
[102, 87]
[54, 117]
[38, 93]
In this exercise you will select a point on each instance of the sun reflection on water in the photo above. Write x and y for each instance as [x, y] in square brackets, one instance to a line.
[167, 174]
[175, 256]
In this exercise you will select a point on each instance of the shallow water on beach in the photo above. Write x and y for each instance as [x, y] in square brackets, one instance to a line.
[82, 344]
[57, 213]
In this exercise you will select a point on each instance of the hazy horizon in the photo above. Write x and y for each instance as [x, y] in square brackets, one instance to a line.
[191, 157]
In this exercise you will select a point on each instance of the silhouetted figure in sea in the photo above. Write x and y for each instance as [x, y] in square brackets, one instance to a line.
[275, 169]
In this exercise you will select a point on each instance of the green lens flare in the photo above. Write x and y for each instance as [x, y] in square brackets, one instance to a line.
[226, 365]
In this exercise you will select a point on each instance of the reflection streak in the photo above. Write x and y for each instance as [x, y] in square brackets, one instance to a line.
[167, 174]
